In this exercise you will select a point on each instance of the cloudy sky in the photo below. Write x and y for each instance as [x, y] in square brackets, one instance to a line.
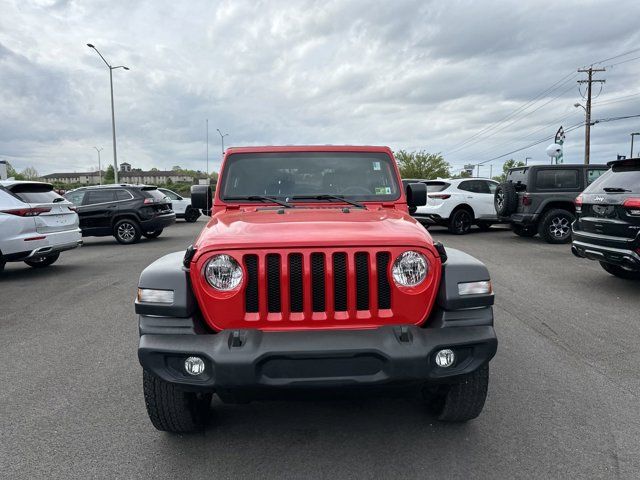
[437, 76]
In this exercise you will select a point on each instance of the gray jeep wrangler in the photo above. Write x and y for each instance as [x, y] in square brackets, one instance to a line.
[540, 199]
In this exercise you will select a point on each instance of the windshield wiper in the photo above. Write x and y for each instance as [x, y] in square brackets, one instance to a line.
[262, 198]
[615, 189]
[327, 196]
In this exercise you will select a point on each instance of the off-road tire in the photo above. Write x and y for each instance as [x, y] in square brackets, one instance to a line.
[460, 221]
[505, 200]
[462, 401]
[127, 231]
[174, 410]
[42, 262]
[525, 231]
[555, 226]
[620, 272]
[484, 226]
[153, 234]
[191, 215]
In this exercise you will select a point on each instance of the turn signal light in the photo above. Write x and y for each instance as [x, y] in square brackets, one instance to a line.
[475, 288]
[578, 203]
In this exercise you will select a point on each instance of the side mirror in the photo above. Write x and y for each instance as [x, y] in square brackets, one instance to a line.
[416, 195]
[201, 197]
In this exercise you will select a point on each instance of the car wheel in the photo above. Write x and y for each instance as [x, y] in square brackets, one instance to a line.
[621, 272]
[461, 401]
[505, 200]
[522, 231]
[41, 262]
[191, 215]
[2, 263]
[127, 231]
[171, 409]
[152, 234]
[484, 226]
[555, 226]
[460, 221]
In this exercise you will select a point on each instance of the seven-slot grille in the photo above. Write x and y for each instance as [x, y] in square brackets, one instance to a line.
[317, 285]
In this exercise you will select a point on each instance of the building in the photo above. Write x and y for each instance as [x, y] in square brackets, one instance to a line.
[84, 178]
[127, 174]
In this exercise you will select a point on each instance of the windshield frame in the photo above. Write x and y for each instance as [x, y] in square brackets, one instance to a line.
[223, 198]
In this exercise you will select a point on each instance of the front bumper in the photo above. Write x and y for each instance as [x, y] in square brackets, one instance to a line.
[322, 358]
[604, 248]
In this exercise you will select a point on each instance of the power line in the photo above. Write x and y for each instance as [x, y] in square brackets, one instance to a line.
[617, 56]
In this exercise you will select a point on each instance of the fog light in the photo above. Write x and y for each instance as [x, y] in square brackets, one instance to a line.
[194, 365]
[445, 358]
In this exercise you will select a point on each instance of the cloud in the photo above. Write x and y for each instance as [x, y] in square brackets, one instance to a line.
[408, 74]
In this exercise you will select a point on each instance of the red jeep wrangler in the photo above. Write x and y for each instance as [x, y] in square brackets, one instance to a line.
[311, 273]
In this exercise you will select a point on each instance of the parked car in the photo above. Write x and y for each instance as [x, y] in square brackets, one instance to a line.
[608, 225]
[36, 224]
[125, 211]
[539, 199]
[181, 206]
[459, 203]
[311, 273]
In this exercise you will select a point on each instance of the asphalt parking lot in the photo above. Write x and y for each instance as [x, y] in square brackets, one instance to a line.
[563, 399]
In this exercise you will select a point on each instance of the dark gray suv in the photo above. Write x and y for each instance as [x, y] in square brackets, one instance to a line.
[540, 199]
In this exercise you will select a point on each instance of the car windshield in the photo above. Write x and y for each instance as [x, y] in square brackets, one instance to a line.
[437, 186]
[35, 193]
[354, 175]
[620, 178]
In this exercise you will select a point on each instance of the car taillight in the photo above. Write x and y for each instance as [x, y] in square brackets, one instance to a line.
[442, 196]
[27, 212]
[526, 200]
[149, 200]
[73, 208]
[633, 204]
[578, 203]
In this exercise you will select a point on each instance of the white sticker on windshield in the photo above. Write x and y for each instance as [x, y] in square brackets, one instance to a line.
[376, 165]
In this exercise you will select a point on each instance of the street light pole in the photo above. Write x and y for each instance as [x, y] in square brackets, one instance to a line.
[633, 135]
[99, 167]
[113, 114]
[222, 135]
[526, 160]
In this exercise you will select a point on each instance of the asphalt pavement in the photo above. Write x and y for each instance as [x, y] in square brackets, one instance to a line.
[563, 398]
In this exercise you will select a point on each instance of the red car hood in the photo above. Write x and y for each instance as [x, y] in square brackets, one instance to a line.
[310, 227]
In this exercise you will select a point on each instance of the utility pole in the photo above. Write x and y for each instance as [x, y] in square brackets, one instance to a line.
[491, 170]
[222, 135]
[587, 124]
[633, 135]
[526, 160]
[100, 168]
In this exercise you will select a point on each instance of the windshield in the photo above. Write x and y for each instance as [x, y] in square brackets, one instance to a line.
[355, 175]
[623, 177]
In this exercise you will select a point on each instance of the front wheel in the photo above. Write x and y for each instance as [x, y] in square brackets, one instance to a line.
[462, 401]
[191, 215]
[555, 226]
[171, 409]
[127, 231]
[153, 233]
[621, 272]
[460, 221]
[41, 262]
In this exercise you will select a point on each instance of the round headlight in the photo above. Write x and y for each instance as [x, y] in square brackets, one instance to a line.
[223, 272]
[409, 269]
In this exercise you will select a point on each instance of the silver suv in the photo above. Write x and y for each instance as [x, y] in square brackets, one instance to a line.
[36, 224]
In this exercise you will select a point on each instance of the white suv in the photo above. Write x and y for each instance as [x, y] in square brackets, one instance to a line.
[36, 224]
[459, 203]
[181, 206]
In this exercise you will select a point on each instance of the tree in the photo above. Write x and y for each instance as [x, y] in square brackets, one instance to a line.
[422, 165]
[154, 169]
[109, 176]
[511, 163]
[176, 168]
[169, 182]
[30, 173]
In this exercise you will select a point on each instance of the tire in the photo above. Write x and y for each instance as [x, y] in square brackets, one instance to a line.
[555, 226]
[127, 231]
[460, 221]
[171, 409]
[620, 272]
[42, 262]
[2, 264]
[505, 199]
[153, 234]
[191, 215]
[413, 210]
[484, 226]
[522, 231]
[462, 401]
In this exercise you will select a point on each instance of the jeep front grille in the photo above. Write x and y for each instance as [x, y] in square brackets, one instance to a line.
[340, 284]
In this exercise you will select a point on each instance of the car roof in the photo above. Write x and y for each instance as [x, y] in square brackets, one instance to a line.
[624, 162]
[561, 166]
[112, 185]
[308, 148]
[10, 183]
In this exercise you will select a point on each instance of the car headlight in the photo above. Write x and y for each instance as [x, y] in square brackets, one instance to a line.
[410, 269]
[223, 272]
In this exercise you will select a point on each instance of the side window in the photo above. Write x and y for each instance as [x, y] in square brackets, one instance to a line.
[593, 174]
[556, 179]
[467, 186]
[99, 196]
[474, 186]
[170, 194]
[123, 195]
[492, 187]
[75, 197]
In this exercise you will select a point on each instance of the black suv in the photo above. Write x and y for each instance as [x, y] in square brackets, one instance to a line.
[608, 224]
[539, 199]
[125, 211]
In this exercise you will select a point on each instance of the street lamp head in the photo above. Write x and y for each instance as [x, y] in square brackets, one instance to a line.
[577, 105]
[90, 45]
[126, 68]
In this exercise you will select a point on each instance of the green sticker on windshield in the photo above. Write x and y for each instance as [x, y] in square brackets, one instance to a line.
[383, 190]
